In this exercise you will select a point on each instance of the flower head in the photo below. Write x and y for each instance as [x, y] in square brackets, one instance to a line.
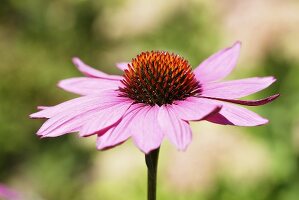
[159, 78]
[156, 97]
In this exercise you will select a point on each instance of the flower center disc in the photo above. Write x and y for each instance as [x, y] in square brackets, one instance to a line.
[160, 78]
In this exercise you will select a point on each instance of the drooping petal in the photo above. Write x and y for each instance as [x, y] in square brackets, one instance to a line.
[237, 88]
[105, 118]
[194, 109]
[258, 102]
[231, 114]
[147, 134]
[219, 119]
[219, 65]
[88, 86]
[122, 66]
[121, 131]
[91, 72]
[176, 130]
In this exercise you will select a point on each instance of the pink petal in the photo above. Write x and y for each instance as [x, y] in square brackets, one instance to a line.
[42, 107]
[7, 193]
[91, 72]
[121, 131]
[236, 88]
[87, 70]
[105, 118]
[147, 134]
[219, 65]
[88, 86]
[75, 115]
[122, 66]
[58, 126]
[231, 114]
[65, 123]
[249, 102]
[194, 109]
[177, 130]
[93, 100]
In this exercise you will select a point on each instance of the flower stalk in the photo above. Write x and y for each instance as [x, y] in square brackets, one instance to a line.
[151, 160]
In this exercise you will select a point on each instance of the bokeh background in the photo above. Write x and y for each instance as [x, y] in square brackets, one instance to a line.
[38, 38]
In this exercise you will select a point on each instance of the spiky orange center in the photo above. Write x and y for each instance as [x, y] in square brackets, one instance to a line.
[159, 78]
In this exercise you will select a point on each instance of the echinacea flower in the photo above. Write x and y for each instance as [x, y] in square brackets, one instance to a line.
[156, 97]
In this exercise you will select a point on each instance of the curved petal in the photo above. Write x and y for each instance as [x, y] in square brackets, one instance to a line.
[176, 130]
[120, 132]
[88, 86]
[194, 109]
[67, 122]
[231, 114]
[87, 70]
[219, 65]
[237, 88]
[91, 72]
[48, 112]
[249, 102]
[87, 101]
[122, 66]
[76, 116]
[105, 118]
[147, 134]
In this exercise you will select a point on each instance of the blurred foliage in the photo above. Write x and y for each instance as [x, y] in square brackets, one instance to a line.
[37, 41]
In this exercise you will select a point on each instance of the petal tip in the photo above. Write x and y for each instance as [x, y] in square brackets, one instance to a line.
[42, 107]
[75, 60]
[270, 79]
[265, 121]
[273, 79]
[103, 147]
[237, 45]
[40, 135]
[33, 116]
[182, 147]
[122, 65]
[60, 84]
[83, 135]
[36, 116]
[63, 85]
[273, 97]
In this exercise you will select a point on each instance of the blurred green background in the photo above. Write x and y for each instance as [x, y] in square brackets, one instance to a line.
[38, 38]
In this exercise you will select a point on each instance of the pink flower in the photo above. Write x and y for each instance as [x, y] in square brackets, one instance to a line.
[8, 194]
[155, 98]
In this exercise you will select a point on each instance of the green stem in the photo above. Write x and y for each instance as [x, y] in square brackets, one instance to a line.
[151, 160]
